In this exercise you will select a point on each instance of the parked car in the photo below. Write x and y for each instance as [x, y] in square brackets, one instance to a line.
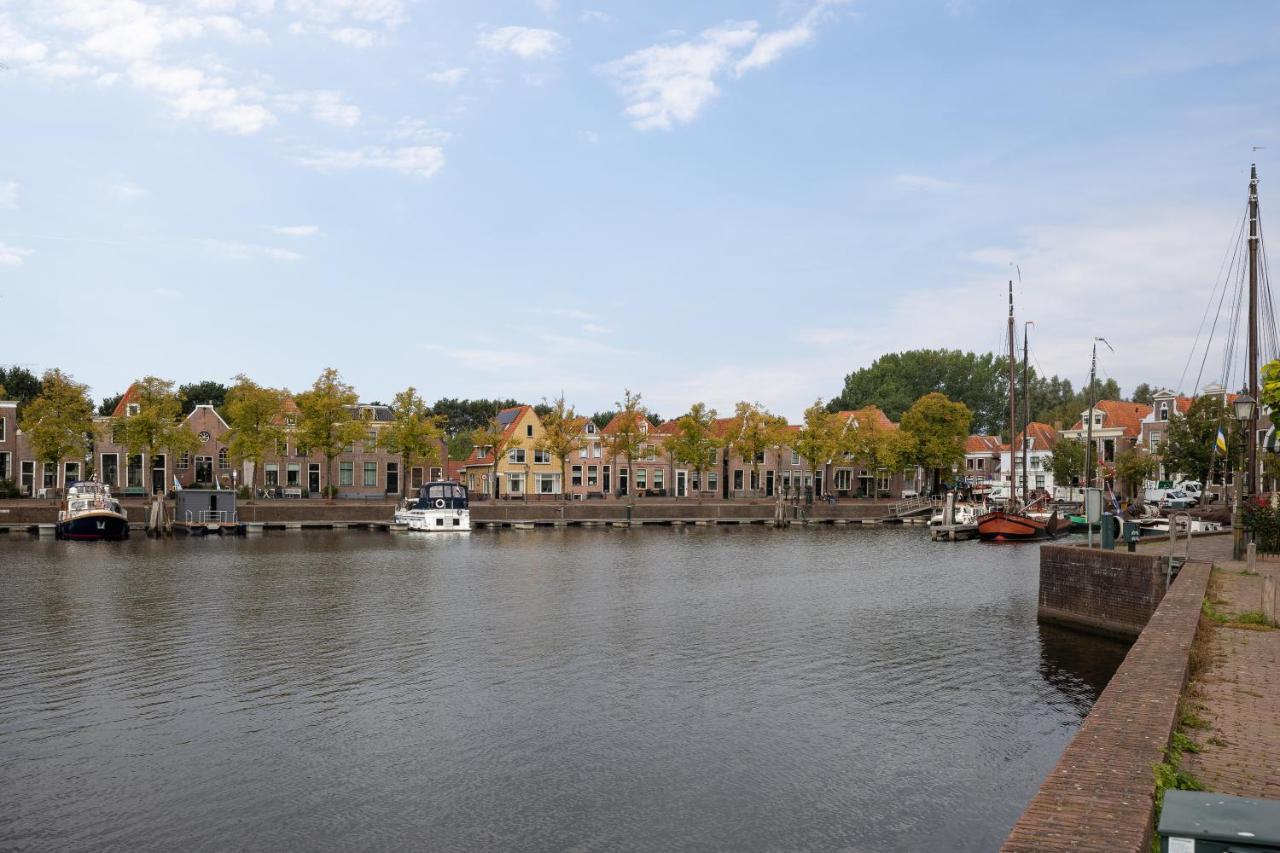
[1178, 499]
[908, 494]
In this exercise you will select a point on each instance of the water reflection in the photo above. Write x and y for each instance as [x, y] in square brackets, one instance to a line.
[1078, 665]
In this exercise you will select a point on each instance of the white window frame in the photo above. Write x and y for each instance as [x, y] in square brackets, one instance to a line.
[575, 475]
[516, 455]
[795, 457]
[3, 428]
[642, 478]
[364, 477]
[515, 482]
[658, 478]
[346, 473]
[541, 457]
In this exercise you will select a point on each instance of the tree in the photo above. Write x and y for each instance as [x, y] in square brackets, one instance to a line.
[197, 393]
[694, 442]
[937, 428]
[628, 439]
[414, 433]
[895, 381]
[1144, 393]
[327, 422]
[1189, 446]
[158, 424]
[108, 405]
[562, 434]
[254, 414]
[463, 417]
[20, 385]
[1270, 391]
[59, 421]
[494, 438]
[1133, 467]
[821, 438]
[753, 431]
[868, 442]
[601, 419]
[1067, 461]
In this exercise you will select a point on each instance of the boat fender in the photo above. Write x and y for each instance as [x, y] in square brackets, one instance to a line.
[439, 503]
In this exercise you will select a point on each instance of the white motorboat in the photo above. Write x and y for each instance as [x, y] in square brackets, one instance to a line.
[441, 507]
[89, 512]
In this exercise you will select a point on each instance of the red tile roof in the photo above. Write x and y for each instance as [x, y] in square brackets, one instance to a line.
[874, 413]
[478, 458]
[1120, 414]
[129, 396]
[981, 444]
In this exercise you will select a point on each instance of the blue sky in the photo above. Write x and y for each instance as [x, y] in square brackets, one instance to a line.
[700, 201]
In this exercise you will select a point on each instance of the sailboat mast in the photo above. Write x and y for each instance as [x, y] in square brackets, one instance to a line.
[1088, 440]
[1253, 327]
[1026, 409]
[1013, 403]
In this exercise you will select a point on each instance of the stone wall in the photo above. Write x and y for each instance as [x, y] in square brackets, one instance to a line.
[1107, 592]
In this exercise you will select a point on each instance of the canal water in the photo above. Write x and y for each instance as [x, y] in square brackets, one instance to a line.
[699, 689]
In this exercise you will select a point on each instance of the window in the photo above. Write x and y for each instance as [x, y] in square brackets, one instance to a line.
[882, 479]
[651, 453]
[350, 448]
[1154, 441]
[657, 478]
[133, 472]
[542, 457]
[371, 473]
[528, 430]
[1097, 420]
[293, 474]
[184, 461]
[591, 428]
[583, 451]
[2, 431]
[131, 409]
[5, 464]
[642, 478]
[110, 469]
[755, 480]
[694, 482]
[224, 463]
[592, 479]
[982, 463]
[1039, 481]
[515, 484]
[546, 484]
[712, 480]
[346, 473]
[50, 475]
[737, 479]
[271, 474]
[282, 447]
[371, 442]
[515, 455]
[795, 458]
[575, 475]
[299, 451]
[843, 479]
[1164, 411]
[595, 450]
[291, 420]
[760, 457]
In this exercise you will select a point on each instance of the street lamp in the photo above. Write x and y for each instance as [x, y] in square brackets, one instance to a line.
[1244, 406]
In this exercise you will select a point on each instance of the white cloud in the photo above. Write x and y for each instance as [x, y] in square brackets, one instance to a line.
[9, 191]
[298, 230]
[127, 191]
[357, 37]
[246, 251]
[925, 183]
[448, 77]
[547, 7]
[417, 130]
[666, 85]
[594, 16]
[528, 43]
[595, 329]
[387, 13]
[420, 161]
[191, 93]
[11, 256]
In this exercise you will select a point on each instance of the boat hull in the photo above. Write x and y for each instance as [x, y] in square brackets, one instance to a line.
[94, 526]
[1002, 526]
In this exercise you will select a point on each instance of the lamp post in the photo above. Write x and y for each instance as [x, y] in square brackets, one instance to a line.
[1244, 406]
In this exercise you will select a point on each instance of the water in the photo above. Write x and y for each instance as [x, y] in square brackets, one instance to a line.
[741, 689]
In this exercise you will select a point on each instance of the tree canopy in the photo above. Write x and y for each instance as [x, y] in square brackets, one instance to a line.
[938, 428]
[158, 424]
[255, 415]
[629, 439]
[1189, 444]
[562, 433]
[326, 420]
[414, 434]
[694, 442]
[198, 393]
[19, 384]
[59, 421]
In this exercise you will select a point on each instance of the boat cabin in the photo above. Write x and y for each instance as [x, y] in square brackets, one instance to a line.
[442, 495]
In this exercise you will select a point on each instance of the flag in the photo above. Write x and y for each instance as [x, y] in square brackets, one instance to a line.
[177, 486]
[1221, 443]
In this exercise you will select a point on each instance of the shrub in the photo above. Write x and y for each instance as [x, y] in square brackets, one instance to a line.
[9, 489]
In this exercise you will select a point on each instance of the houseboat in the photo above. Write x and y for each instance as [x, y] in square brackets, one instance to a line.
[441, 507]
[89, 513]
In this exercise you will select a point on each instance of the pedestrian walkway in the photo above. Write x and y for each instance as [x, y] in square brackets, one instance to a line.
[1232, 703]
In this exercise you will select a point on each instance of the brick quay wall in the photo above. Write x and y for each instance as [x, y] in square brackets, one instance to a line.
[1103, 592]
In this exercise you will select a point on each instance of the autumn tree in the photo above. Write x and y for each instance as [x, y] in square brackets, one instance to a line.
[414, 434]
[1133, 467]
[752, 432]
[631, 433]
[59, 421]
[562, 434]
[1067, 461]
[494, 438]
[694, 442]
[937, 428]
[158, 424]
[820, 439]
[255, 415]
[327, 421]
[1189, 446]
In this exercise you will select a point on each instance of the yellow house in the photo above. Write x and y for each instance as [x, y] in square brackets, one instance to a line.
[522, 471]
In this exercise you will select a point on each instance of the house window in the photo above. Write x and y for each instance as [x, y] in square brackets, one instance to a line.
[657, 478]
[346, 473]
[843, 479]
[350, 448]
[795, 458]
[223, 462]
[547, 484]
[515, 484]
[5, 463]
[3, 421]
[110, 469]
[595, 450]
[1164, 411]
[981, 463]
[1039, 481]
[575, 474]
[371, 473]
[271, 474]
[583, 451]
[516, 455]
[282, 447]
[528, 430]
[651, 453]
[737, 479]
[542, 457]
[694, 483]
[755, 480]
[592, 471]
[133, 472]
[642, 478]
[371, 442]
[882, 479]
[760, 458]
[291, 420]
[712, 479]
[299, 451]
[293, 474]
[591, 428]
[50, 475]
[1097, 420]
[131, 409]
[184, 461]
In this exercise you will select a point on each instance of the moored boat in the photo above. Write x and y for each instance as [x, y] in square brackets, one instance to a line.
[441, 507]
[90, 513]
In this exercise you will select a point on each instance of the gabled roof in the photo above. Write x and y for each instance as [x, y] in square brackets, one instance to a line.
[1119, 414]
[508, 419]
[131, 395]
[616, 422]
[982, 444]
[872, 413]
[204, 406]
[1043, 437]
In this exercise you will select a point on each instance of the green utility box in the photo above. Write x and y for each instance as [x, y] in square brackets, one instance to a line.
[1204, 822]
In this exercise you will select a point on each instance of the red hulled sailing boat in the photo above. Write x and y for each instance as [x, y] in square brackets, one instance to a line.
[1013, 523]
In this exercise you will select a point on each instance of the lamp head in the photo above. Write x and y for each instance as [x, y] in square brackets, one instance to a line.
[1244, 405]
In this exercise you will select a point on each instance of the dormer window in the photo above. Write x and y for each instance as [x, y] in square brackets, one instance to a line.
[290, 420]
[1097, 420]
[591, 428]
[1164, 411]
[131, 409]
[644, 427]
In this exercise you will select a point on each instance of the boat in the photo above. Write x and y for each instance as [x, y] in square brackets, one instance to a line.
[90, 513]
[1011, 523]
[441, 507]
[965, 514]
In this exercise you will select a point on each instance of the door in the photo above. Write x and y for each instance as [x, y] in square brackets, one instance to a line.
[817, 484]
[682, 478]
[768, 484]
[313, 479]
[393, 478]
[28, 483]
[157, 473]
[204, 469]
[607, 482]
[622, 481]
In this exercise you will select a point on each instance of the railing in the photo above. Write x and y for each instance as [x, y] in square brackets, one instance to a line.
[911, 506]
[1175, 563]
[211, 516]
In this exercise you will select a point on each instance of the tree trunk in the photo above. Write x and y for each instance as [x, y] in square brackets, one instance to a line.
[329, 492]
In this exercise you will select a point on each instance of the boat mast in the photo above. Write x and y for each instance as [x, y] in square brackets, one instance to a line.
[1088, 441]
[1026, 408]
[1013, 406]
[1253, 328]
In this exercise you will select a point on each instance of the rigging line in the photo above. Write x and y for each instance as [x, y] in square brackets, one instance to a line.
[1217, 314]
[1233, 244]
[1233, 328]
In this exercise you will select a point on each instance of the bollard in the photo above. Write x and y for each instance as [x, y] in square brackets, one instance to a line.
[1269, 598]
[1109, 524]
[1251, 555]
[1132, 533]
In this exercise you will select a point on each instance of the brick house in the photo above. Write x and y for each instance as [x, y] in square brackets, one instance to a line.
[18, 463]
[1040, 439]
[523, 471]
[1117, 427]
[982, 460]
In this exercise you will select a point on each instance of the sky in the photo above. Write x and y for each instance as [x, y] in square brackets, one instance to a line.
[711, 201]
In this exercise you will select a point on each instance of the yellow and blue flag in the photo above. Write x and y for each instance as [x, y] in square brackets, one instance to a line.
[1221, 443]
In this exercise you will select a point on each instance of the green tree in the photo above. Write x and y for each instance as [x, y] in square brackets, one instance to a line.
[158, 424]
[1270, 390]
[414, 434]
[493, 438]
[820, 439]
[59, 421]
[198, 393]
[1067, 461]
[108, 405]
[327, 422]
[255, 415]
[628, 439]
[1143, 393]
[562, 434]
[752, 432]
[694, 442]
[20, 385]
[937, 428]
[1133, 467]
[895, 381]
[463, 417]
[1189, 446]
